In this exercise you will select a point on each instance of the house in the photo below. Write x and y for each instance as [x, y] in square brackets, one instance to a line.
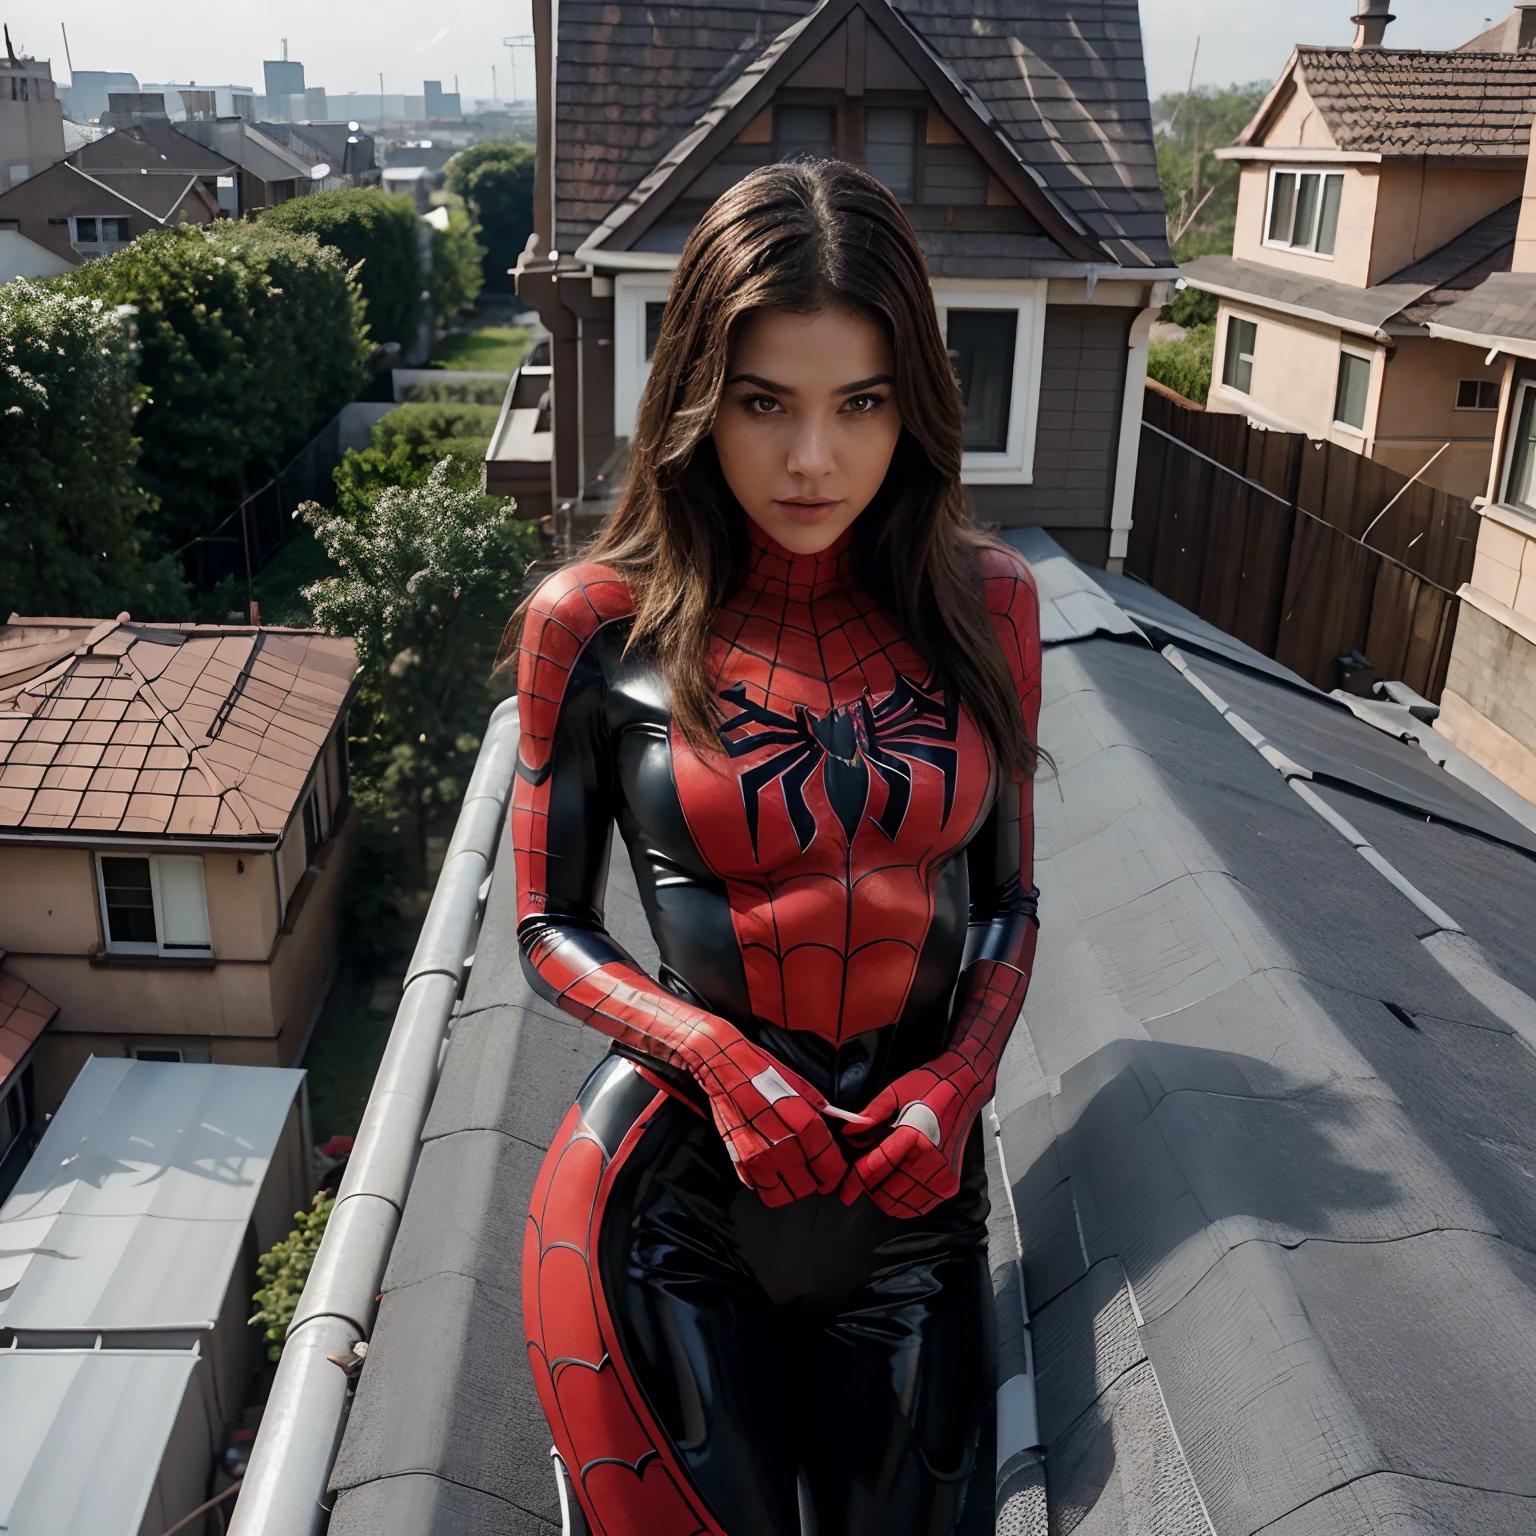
[110, 191]
[24, 1014]
[1265, 1128]
[1376, 186]
[345, 147]
[127, 1262]
[174, 826]
[269, 172]
[31, 118]
[1489, 704]
[1019, 139]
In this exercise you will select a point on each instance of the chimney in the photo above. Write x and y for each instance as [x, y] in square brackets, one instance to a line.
[1371, 23]
[1525, 27]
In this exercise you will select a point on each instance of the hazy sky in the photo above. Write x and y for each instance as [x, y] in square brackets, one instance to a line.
[345, 43]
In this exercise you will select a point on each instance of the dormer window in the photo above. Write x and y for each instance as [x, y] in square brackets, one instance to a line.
[1304, 210]
[805, 133]
[890, 149]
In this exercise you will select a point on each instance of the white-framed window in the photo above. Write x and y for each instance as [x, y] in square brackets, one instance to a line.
[995, 337]
[1520, 465]
[1477, 395]
[96, 234]
[153, 904]
[1354, 389]
[1237, 364]
[1303, 211]
[638, 301]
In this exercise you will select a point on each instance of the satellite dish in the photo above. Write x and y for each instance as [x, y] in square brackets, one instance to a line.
[319, 172]
[353, 127]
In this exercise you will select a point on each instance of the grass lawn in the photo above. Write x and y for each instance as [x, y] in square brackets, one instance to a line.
[342, 1060]
[496, 349]
[276, 589]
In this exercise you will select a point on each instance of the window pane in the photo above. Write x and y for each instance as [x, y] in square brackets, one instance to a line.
[183, 904]
[805, 132]
[1328, 223]
[13, 1117]
[1237, 367]
[1522, 472]
[1282, 206]
[130, 904]
[981, 348]
[1466, 395]
[890, 149]
[145, 1053]
[114, 229]
[1306, 212]
[653, 312]
[85, 231]
[1488, 395]
[1354, 381]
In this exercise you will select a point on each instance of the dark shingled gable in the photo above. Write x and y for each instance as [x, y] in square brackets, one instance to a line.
[1065, 83]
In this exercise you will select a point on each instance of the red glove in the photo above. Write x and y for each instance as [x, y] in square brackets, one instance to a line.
[770, 1121]
[917, 1165]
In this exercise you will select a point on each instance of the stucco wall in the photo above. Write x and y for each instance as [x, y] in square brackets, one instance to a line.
[48, 900]
[1422, 204]
[1351, 259]
[1417, 414]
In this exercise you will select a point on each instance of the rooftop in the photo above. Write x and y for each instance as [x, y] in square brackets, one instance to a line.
[24, 1015]
[1063, 84]
[1267, 1125]
[111, 727]
[1414, 101]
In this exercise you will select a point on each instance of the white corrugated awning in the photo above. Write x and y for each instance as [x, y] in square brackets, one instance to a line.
[132, 1212]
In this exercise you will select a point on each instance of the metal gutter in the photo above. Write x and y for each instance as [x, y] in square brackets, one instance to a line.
[284, 1490]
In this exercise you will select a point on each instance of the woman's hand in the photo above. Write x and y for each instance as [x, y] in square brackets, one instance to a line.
[771, 1123]
[917, 1165]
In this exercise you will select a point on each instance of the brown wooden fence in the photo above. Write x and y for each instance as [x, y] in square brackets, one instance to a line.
[1304, 550]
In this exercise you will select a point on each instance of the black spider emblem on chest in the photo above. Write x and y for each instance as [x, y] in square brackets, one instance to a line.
[909, 724]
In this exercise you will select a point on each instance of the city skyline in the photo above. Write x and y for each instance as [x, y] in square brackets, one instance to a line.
[346, 46]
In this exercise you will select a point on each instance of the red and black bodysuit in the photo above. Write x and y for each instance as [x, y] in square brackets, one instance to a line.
[736, 1325]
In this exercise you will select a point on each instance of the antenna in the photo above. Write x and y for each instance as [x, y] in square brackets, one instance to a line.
[67, 59]
[285, 50]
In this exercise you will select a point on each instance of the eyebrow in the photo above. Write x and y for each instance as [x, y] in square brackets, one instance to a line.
[785, 389]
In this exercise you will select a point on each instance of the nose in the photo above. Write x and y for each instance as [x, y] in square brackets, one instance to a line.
[810, 449]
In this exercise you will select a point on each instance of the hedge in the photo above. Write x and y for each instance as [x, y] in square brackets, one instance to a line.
[249, 339]
[71, 509]
[456, 256]
[495, 178]
[375, 232]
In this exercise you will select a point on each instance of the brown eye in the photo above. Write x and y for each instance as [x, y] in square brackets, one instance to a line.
[862, 405]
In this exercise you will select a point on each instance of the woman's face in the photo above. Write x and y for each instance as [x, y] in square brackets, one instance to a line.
[807, 422]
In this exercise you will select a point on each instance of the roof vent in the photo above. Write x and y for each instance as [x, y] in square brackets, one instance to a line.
[1371, 24]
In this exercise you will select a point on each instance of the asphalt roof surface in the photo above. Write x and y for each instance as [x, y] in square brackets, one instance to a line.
[1274, 1165]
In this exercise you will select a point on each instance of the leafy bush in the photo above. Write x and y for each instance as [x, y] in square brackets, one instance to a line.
[495, 177]
[375, 232]
[71, 509]
[456, 257]
[249, 339]
[282, 1271]
[1191, 307]
[428, 575]
[406, 444]
[1185, 365]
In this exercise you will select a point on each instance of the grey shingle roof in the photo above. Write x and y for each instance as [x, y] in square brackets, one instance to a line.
[1505, 305]
[1278, 1234]
[1421, 101]
[1064, 83]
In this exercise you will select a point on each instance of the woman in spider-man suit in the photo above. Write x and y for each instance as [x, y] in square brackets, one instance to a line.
[805, 688]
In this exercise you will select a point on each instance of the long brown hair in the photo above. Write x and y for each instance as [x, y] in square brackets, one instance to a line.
[804, 236]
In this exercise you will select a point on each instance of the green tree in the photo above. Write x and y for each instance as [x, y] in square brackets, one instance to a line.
[427, 580]
[1199, 189]
[1185, 366]
[377, 234]
[282, 1271]
[406, 445]
[249, 339]
[457, 254]
[495, 178]
[71, 508]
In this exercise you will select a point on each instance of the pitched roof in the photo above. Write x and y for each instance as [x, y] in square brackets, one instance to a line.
[1414, 101]
[151, 146]
[157, 193]
[1461, 264]
[24, 1015]
[172, 730]
[1501, 309]
[1266, 1150]
[1063, 85]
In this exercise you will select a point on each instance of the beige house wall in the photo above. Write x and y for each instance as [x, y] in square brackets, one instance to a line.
[1423, 204]
[1295, 372]
[252, 1004]
[1417, 414]
[1351, 259]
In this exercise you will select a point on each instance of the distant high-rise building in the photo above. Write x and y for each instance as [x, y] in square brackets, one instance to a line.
[438, 102]
[314, 104]
[284, 78]
[88, 91]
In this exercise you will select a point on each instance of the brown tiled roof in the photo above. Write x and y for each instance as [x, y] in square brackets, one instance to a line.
[1419, 102]
[24, 1015]
[179, 730]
